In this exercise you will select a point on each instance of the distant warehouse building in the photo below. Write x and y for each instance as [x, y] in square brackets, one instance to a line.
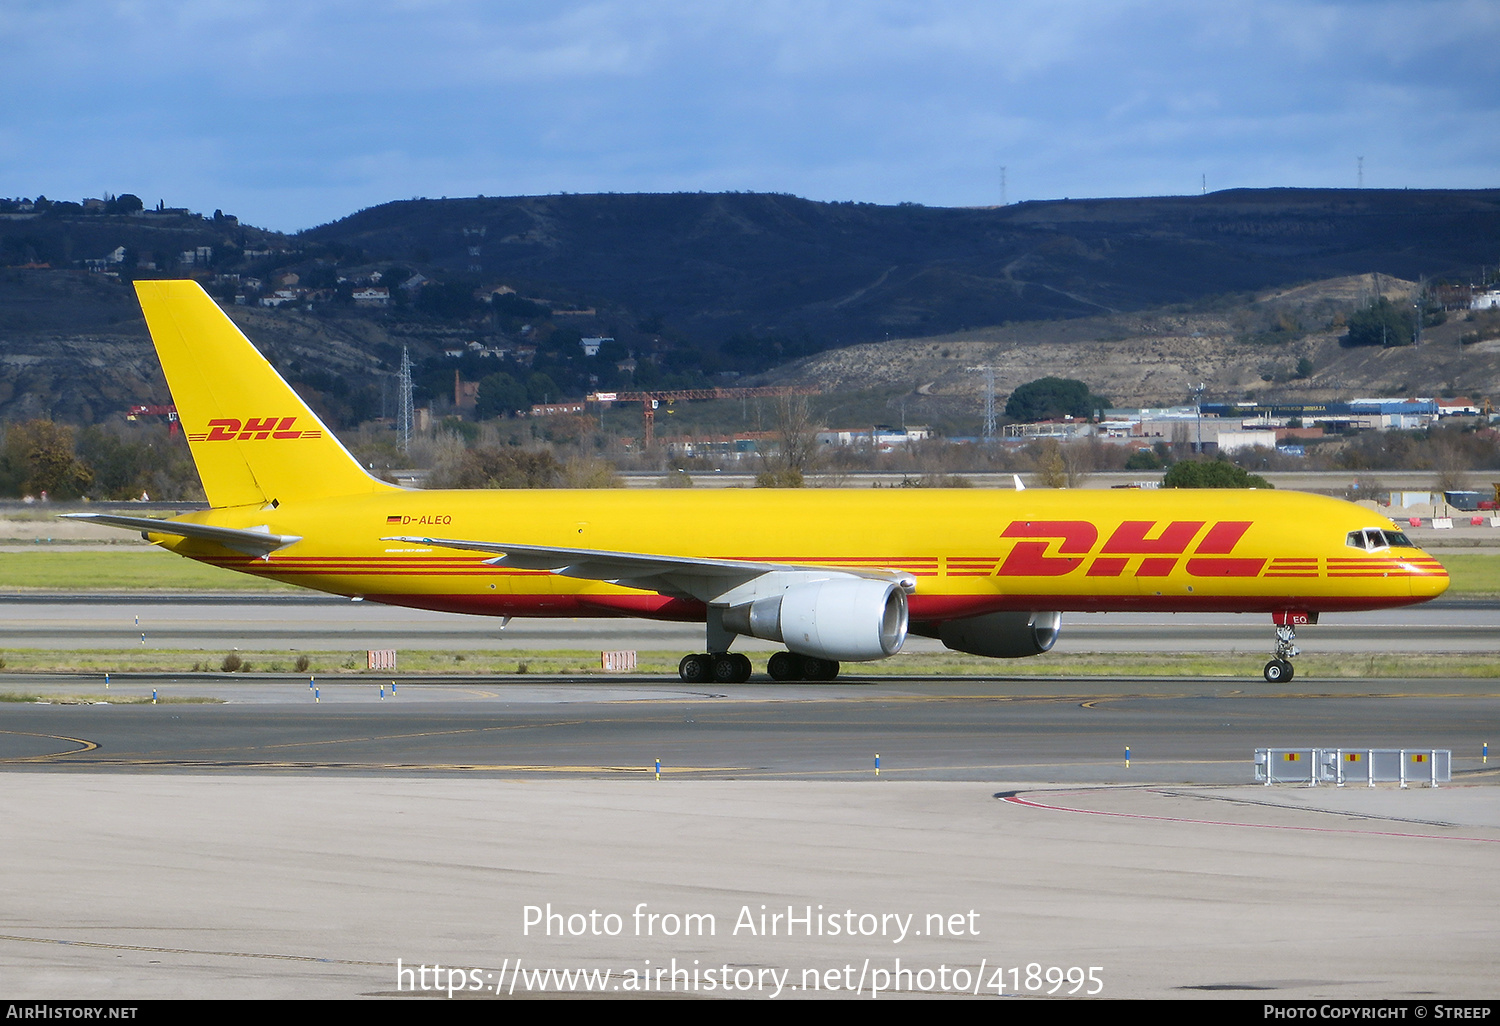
[880, 437]
[557, 409]
[1235, 439]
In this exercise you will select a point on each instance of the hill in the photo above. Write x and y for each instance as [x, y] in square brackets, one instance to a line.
[1158, 357]
[1152, 295]
[714, 265]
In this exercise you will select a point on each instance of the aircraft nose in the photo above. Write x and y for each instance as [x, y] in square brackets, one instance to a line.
[1429, 579]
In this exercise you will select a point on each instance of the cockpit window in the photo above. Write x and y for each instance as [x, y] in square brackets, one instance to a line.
[1372, 538]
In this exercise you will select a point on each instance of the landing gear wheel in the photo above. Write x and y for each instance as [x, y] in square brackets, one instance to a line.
[784, 666]
[819, 669]
[731, 668]
[1279, 669]
[695, 669]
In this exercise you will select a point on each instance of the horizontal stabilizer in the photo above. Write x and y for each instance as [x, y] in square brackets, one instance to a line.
[254, 542]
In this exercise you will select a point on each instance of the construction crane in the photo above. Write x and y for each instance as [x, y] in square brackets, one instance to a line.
[651, 400]
[169, 412]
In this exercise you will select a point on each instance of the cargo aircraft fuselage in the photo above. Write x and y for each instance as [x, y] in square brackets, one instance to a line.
[833, 574]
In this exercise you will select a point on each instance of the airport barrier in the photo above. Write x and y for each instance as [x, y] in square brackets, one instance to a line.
[621, 661]
[1341, 766]
[382, 658]
[1446, 523]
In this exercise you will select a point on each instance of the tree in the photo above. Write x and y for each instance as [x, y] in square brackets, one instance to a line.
[451, 301]
[1052, 471]
[797, 445]
[40, 456]
[118, 468]
[1451, 458]
[1052, 399]
[489, 467]
[647, 375]
[590, 472]
[321, 276]
[1382, 323]
[542, 389]
[500, 395]
[508, 304]
[1215, 473]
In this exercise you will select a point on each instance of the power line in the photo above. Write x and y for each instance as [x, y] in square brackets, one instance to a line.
[405, 418]
[989, 401]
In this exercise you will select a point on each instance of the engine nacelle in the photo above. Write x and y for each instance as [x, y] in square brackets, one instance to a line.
[847, 619]
[1002, 635]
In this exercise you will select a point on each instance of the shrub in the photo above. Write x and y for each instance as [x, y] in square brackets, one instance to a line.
[1217, 473]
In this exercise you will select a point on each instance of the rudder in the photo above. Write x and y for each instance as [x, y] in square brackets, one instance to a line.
[253, 439]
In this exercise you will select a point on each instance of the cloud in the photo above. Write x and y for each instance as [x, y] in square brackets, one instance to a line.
[293, 114]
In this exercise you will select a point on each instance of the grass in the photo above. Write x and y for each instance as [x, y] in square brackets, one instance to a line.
[415, 663]
[143, 569]
[1472, 575]
[105, 699]
[153, 569]
[319, 663]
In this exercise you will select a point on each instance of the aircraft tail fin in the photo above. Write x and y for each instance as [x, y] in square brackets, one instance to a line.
[253, 439]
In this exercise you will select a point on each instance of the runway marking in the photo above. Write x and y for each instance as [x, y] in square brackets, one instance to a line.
[419, 733]
[644, 769]
[1085, 700]
[88, 746]
[326, 741]
[185, 951]
[864, 698]
[1016, 799]
[889, 770]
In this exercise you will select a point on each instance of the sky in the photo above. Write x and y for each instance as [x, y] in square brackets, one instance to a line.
[293, 114]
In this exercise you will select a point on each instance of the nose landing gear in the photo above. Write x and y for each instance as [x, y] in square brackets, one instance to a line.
[1279, 669]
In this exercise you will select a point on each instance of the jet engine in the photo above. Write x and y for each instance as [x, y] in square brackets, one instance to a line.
[1002, 635]
[845, 619]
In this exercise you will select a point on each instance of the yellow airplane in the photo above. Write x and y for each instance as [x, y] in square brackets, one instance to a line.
[833, 575]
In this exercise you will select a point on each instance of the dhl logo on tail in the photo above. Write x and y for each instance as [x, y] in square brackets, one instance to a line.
[227, 429]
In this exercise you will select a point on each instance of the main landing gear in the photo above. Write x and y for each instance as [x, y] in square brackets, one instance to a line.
[734, 668]
[721, 666]
[1279, 669]
[790, 666]
[724, 668]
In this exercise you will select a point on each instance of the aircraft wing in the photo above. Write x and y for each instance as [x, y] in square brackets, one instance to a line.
[257, 542]
[709, 580]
